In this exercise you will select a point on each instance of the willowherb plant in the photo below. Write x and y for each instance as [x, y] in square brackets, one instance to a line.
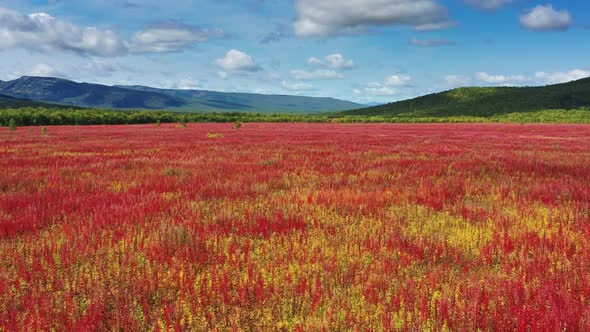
[296, 227]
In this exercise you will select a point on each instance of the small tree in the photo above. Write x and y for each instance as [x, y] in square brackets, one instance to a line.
[158, 123]
[44, 131]
[12, 124]
[237, 125]
[183, 122]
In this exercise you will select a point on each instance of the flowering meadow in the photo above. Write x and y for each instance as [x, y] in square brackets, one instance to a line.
[295, 227]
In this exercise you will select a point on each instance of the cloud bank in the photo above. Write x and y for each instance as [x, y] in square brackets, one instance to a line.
[43, 32]
[316, 18]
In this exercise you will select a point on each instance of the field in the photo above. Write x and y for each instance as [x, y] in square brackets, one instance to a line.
[295, 227]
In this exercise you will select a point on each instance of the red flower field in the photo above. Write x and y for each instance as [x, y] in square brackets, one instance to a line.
[295, 227]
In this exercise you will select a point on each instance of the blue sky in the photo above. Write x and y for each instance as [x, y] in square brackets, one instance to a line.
[360, 50]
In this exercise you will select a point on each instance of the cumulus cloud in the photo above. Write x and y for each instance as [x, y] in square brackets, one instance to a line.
[488, 4]
[398, 80]
[322, 74]
[430, 42]
[388, 87]
[45, 70]
[188, 84]
[327, 17]
[334, 61]
[539, 78]
[237, 61]
[41, 31]
[562, 77]
[545, 18]
[296, 86]
[169, 37]
[500, 79]
[456, 81]
[378, 89]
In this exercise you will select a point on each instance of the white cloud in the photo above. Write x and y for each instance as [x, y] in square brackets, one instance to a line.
[561, 77]
[376, 89]
[222, 74]
[322, 74]
[387, 87]
[41, 31]
[326, 17]
[334, 61]
[188, 84]
[430, 42]
[455, 81]
[296, 86]
[398, 80]
[488, 4]
[500, 79]
[435, 26]
[169, 37]
[545, 18]
[539, 78]
[45, 70]
[181, 84]
[237, 61]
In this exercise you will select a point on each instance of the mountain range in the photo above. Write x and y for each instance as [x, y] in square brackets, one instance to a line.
[470, 101]
[66, 92]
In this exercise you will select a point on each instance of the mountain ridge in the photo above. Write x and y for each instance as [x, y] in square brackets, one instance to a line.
[71, 93]
[7, 101]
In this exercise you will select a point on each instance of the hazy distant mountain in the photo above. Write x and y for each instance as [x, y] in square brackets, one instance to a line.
[374, 104]
[57, 90]
[61, 91]
[487, 101]
[204, 100]
[12, 102]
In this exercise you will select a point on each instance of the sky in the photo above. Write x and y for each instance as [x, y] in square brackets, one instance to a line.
[367, 51]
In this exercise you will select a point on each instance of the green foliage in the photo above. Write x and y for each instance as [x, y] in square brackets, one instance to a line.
[237, 125]
[46, 117]
[12, 124]
[44, 131]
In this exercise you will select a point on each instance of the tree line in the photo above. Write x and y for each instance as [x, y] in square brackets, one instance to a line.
[51, 117]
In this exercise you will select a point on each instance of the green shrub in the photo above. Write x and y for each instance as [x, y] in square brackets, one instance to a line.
[12, 124]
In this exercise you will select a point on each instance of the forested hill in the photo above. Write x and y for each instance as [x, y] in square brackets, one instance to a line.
[12, 102]
[488, 101]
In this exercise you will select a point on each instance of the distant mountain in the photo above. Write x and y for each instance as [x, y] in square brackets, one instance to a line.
[57, 90]
[487, 101]
[12, 102]
[374, 104]
[61, 91]
[205, 100]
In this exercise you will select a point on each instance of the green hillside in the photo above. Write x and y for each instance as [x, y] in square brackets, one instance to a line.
[485, 102]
